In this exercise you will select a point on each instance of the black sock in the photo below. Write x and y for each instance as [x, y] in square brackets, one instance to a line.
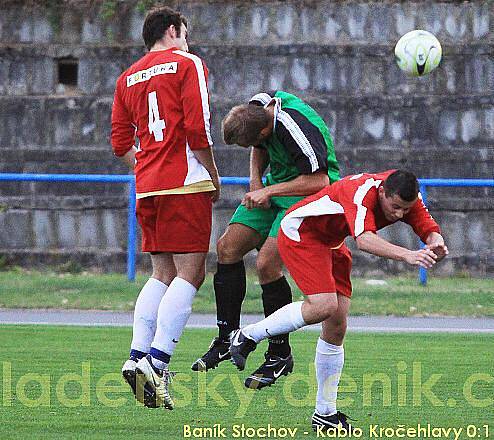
[229, 289]
[274, 296]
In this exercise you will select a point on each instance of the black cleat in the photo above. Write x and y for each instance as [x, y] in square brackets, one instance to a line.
[269, 372]
[218, 352]
[147, 396]
[337, 421]
[240, 347]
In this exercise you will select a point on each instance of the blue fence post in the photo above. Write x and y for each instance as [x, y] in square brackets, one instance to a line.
[131, 237]
[423, 271]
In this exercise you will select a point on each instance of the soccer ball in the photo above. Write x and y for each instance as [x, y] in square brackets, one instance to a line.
[418, 53]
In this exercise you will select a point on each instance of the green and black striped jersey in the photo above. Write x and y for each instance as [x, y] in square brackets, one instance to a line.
[300, 143]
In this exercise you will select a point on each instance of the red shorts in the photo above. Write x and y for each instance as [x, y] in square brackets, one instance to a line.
[177, 223]
[315, 267]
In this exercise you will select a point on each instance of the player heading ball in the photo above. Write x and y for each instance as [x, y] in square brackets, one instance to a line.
[311, 244]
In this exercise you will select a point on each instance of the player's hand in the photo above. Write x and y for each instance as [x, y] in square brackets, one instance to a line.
[257, 199]
[215, 195]
[435, 242]
[425, 258]
[440, 249]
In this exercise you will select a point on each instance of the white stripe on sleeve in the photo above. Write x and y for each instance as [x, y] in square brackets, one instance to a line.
[300, 138]
[202, 88]
[359, 197]
[292, 221]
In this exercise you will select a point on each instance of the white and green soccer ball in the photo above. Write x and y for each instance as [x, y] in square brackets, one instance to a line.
[418, 52]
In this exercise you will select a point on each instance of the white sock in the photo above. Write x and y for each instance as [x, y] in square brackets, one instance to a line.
[329, 364]
[173, 314]
[287, 319]
[145, 314]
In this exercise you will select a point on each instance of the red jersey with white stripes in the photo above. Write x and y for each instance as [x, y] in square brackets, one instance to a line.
[163, 100]
[350, 207]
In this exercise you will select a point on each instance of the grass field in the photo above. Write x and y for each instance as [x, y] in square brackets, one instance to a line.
[455, 372]
[401, 296]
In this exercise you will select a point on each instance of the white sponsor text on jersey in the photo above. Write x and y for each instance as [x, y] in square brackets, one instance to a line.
[147, 74]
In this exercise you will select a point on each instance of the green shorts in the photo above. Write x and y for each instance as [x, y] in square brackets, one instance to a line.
[265, 221]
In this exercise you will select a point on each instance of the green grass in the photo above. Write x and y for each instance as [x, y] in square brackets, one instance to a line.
[401, 296]
[33, 410]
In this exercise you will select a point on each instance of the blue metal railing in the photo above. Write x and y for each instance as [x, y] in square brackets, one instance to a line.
[424, 183]
[131, 218]
[99, 178]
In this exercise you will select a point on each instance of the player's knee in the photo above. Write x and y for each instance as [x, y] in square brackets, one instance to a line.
[199, 280]
[268, 269]
[321, 308]
[227, 251]
[164, 275]
[196, 278]
[328, 308]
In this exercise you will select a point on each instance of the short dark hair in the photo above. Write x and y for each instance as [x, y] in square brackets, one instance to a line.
[157, 21]
[243, 124]
[404, 184]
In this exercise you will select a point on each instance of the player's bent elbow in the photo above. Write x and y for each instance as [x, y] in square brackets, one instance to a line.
[360, 243]
[316, 182]
[323, 179]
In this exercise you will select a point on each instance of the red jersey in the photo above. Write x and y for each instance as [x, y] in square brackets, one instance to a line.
[163, 100]
[350, 206]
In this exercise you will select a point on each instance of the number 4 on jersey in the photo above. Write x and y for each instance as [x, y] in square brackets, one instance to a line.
[155, 124]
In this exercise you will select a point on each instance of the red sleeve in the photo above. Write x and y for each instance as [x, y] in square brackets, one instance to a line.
[122, 129]
[359, 201]
[421, 221]
[195, 102]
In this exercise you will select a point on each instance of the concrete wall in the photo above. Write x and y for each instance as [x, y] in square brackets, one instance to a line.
[338, 55]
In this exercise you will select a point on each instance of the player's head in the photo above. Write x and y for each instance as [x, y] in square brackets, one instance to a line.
[163, 24]
[246, 125]
[398, 194]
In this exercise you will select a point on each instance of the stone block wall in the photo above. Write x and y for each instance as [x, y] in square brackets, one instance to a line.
[338, 55]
